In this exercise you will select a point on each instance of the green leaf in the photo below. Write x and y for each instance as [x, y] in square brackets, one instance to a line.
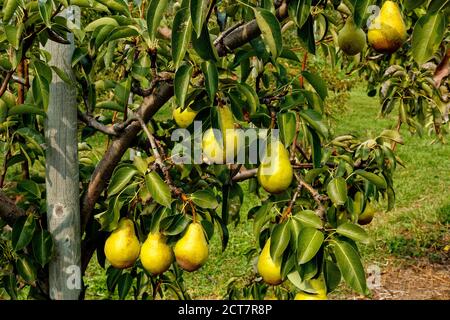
[211, 78]
[155, 12]
[22, 232]
[25, 109]
[337, 191]
[377, 180]
[42, 244]
[174, 224]
[350, 265]
[317, 83]
[181, 83]
[109, 219]
[279, 240]
[26, 269]
[121, 179]
[203, 45]
[309, 242]
[270, 29]
[122, 32]
[427, 36]
[181, 35]
[314, 120]
[360, 10]
[101, 22]
[124, 285]
[299, 11]
[306, 35]
[353, 232]
[29, 187]
[122, 92]
[287, 125]
[412, 4]
[41, 83]
[262, 215]
[8, 10]
[112, 277]
[332, 275]
[13, 34]
[9, 283]
[205, 199]
[45, 11]
[198, 8]
[110, 105]
[33, 138]
[159, 190]
[308, 218]
[438, 6]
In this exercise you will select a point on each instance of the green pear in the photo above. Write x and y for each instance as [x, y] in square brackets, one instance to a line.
[387, 32]
[122, 246]
[191, 251]
[275, 172]
[268, 269]
[351, 39]
[156, 256]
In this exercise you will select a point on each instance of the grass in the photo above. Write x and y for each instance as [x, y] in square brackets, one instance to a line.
[416, 228]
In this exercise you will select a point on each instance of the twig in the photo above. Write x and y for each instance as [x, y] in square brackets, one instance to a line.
[287, 212]
[158, 159]
[318, 198]
[93, 123]
[245, 174]
[299, 148]
[4, 85]
[211, 8]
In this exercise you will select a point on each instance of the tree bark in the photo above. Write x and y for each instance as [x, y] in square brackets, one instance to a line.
[62, 178]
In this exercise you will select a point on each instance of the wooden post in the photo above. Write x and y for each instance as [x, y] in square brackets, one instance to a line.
[62, 178]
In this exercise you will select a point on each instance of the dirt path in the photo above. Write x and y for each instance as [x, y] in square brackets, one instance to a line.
[410, 280]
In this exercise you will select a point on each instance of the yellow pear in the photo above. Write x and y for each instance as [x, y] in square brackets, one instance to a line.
[156, 256]
[310, 296]
[218, 151]
[122, 246]
[367, 216]
[275, 171]
[184, 118]
[351, 39]
[268, 269]
[191, 251]
[387, 32]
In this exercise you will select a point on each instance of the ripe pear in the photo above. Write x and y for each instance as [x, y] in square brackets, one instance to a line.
[387, 32]
[218, 151]
[351, 39]
[367, 216]
[268, 269]
[275, 171]
[184, 118]
[122, 246]
[191, 251]
[310, 296]
[156, 256]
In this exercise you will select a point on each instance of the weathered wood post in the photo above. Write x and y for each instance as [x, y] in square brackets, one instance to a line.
[62, 176]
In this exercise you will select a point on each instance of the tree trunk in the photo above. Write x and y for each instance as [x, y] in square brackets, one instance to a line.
[62, 178]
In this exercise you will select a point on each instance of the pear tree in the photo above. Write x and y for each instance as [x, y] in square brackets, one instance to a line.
[186, 107]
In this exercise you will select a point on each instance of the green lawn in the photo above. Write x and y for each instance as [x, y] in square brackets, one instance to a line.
[417, 227]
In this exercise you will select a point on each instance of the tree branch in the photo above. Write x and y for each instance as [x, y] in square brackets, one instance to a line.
[9, 212]
[93, 123]
[4, 85]
[318, 198]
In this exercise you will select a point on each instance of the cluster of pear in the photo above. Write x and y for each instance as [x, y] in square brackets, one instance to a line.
[387, 32]
[122, 249]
